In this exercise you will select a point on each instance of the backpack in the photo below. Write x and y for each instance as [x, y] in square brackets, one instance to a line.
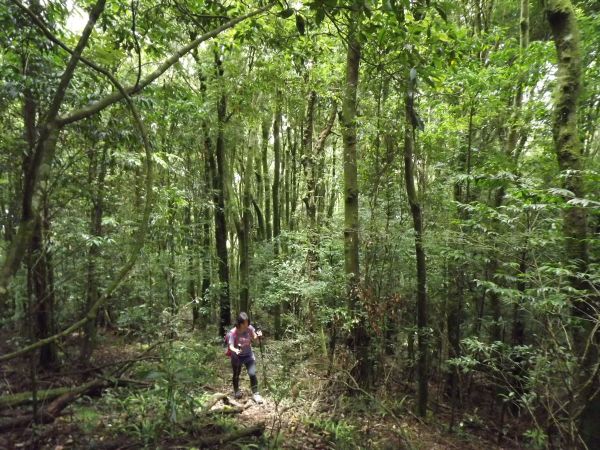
[227, 336]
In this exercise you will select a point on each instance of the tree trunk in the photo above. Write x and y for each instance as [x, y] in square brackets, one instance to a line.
[206, 245]
[287, 181]
[41, 274]
[415, 207]
[266, 178]
[308, 161]
[518, 324]
[220, 213]
[170, 242]
[245, 235]
[276, 203]
[192, 249]
[563, 23]
[332, 190]
[294, 182]
[96, 177]
[360, 339]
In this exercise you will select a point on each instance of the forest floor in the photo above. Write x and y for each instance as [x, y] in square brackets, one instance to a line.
[178, 395]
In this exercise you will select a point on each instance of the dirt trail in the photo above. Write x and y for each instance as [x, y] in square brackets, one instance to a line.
[282, 419]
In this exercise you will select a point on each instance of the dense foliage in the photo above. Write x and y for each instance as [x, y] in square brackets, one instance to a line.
[415, 181]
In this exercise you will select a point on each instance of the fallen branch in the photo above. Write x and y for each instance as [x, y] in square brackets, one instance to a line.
[62, 398]
[24, 398]
[51, 412]
[215, 398]
[227, 410]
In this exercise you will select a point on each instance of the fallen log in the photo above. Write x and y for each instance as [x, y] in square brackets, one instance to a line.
[24, 398]
[226, 410]
[53, 410]
[214, 399]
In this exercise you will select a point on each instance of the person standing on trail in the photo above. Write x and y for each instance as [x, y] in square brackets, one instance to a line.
[240, 349]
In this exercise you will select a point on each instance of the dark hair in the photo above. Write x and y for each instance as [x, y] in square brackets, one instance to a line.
[243, 317]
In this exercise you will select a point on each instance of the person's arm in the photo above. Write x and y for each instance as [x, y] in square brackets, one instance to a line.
[255, 334]
[232, 346]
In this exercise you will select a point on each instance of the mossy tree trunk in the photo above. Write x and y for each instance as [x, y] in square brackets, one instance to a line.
[585, 302]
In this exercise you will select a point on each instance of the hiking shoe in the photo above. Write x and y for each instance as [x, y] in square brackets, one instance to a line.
[257, 398]
[238, 394]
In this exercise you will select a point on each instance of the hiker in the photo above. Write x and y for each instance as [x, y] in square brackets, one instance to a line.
[240, 351]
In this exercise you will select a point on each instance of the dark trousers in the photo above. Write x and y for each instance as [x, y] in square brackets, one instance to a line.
[236, 364]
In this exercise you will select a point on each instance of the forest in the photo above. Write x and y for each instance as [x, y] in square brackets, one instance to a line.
[403, 196]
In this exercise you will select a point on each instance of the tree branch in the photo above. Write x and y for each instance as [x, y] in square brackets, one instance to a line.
[99, 105]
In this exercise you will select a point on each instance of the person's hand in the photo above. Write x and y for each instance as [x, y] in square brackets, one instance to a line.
[237, 351]
[259, 333]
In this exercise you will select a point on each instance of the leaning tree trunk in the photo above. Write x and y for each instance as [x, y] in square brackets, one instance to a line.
[563, 23]
[415, 207]
[360, 338]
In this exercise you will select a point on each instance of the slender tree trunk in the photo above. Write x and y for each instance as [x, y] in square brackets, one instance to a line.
[518, 324]
[456, 271]
[191, 226]
[319, 167]
[276, 203]
[308, 161]
[332, 189]
[206, 243]
[41, 273]
[219, 172]
[287, 181]
[415, 207]
[312, 161]
[294, 183]
[360, 338]
[258, 200]
[96, 177]
[192, 249]
[266, 178]
[244, 236]
[170, 244]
